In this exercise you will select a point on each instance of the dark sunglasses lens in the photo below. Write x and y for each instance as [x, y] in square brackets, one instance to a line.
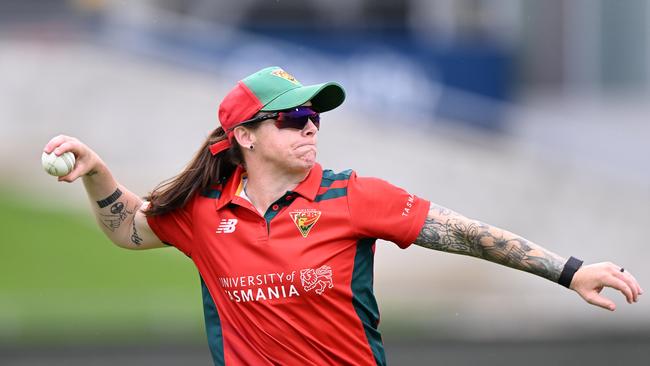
[298, 118]
[297, 123]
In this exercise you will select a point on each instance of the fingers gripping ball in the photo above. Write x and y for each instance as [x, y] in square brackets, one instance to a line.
[58, 165]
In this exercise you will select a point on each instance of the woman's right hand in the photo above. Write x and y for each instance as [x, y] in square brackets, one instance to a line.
[87, 161]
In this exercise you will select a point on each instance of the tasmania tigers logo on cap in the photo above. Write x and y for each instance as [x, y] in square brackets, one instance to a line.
[285, 75]
[305, 220]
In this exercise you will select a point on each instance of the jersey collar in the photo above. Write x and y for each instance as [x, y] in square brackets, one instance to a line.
[308, 188]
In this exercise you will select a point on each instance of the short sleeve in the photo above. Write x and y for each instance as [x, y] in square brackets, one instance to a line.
[381, 210]
[175, 228]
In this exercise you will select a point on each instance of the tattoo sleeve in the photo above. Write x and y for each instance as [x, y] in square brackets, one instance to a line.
[448, 231]
[118, 215]
[135, 238]
[119, 212]
[110, 199]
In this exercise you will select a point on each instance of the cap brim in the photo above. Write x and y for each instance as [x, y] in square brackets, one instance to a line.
[324, 97]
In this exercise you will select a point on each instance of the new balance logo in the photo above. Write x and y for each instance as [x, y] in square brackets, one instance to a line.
[227, 226]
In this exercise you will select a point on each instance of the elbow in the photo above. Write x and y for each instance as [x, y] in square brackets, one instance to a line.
[121, 244]
[125, 243]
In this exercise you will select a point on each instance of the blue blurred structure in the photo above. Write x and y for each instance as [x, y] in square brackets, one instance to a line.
[483, 68]
[412, 59]
[387, 65]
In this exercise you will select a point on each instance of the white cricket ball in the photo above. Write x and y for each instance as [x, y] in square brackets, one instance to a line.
[58, 165]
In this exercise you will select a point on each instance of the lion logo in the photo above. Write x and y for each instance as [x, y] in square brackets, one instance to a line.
[319, 279]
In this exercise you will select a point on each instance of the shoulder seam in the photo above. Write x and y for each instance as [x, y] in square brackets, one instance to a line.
[330, 177]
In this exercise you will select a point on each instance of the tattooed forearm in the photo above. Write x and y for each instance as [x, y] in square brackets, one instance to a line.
[448, 231]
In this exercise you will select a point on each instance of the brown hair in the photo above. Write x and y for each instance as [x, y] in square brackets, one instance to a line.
[200, 173]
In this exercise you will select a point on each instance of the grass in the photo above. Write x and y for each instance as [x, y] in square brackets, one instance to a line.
[61, 280]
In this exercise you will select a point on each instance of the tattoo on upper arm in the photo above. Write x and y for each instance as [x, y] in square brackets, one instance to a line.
[447, 231]
[119, 213]
[135, 238]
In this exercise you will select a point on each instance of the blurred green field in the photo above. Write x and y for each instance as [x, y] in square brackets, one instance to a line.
[62, 281]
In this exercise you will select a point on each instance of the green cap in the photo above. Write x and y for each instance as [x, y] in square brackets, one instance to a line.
[278, 90]
[272, 89]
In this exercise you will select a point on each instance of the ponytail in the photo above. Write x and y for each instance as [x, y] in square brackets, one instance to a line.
[202, 171]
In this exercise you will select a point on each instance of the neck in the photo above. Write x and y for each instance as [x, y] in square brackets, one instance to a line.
[266, 185]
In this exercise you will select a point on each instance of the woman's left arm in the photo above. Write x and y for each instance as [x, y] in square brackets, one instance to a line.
[448, 231]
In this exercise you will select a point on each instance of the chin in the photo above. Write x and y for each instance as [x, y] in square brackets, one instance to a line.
[307, 162]
[301, 160]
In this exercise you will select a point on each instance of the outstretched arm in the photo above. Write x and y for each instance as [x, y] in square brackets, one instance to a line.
[448, 231]
[117, 210]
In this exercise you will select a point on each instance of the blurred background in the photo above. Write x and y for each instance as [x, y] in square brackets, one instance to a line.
[530, 115]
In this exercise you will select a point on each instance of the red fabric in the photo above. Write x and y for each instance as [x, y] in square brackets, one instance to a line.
[245, 268]
[220, 146]
[175, 228]
[239, 105]
[381, 210]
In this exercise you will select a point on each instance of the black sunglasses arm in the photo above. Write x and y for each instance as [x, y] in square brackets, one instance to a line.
[258, 119]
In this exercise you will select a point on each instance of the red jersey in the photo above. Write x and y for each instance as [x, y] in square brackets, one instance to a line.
[295, 286]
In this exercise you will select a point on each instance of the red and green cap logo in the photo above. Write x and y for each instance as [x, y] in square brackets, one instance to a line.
[272, 89]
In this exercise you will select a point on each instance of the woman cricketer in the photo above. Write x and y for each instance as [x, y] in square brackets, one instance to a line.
[285, 248]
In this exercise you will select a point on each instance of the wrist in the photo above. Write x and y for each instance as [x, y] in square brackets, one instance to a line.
[98, 174]
[96, 170]
[99, 182]
[570, 268]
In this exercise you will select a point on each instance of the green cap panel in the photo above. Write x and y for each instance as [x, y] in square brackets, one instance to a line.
[278, 90]
[267, 84]
[324, 97]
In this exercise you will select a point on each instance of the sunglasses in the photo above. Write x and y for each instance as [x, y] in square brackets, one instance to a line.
[291, 118]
